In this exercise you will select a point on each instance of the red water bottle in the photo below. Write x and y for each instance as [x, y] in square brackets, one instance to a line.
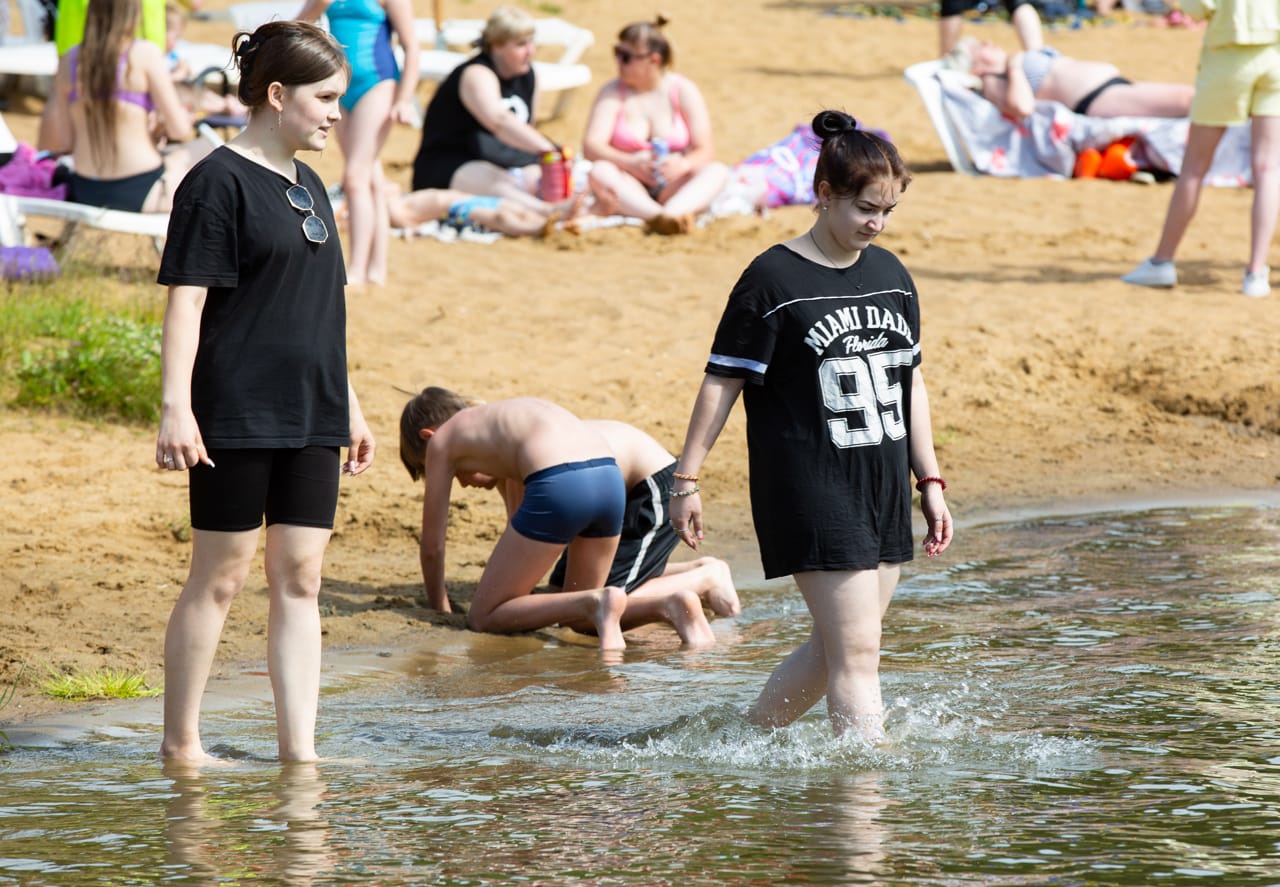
[554, 185]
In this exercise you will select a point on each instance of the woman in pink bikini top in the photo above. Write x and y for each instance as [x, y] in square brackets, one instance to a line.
[649, 138]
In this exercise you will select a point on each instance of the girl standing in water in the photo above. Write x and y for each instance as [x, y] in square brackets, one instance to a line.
[826, 328]
[256, 402]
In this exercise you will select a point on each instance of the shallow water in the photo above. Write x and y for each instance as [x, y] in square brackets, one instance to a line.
[1091, 700]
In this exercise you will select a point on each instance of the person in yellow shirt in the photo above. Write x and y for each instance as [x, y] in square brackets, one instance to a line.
[1238, 80]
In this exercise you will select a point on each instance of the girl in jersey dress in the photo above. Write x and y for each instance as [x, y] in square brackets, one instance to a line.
[378, 96]
[256, 402]
[826, 328]
[648, 137]
[105, 95]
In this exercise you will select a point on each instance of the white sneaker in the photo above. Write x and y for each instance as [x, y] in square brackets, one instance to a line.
[1257, 283]
[1152, 273]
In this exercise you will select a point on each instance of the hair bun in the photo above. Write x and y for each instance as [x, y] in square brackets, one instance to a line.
[660, 21]
[247, 49]
[829, 124]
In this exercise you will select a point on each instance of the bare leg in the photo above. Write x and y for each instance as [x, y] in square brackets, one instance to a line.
[794, 687]
[1144, 99]
[481, 177]
[695, 195]
[511, 218]
[428, 205]
[847, 608]
[294, 558]
[503, 601]
[948, 33]
[362, 133]
[679, 607]
[219, 565]
[1265, 147]
[614, 187]
[1202, 142]
[708, 577]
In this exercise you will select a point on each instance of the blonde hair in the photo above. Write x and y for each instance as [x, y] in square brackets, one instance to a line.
[506, 23]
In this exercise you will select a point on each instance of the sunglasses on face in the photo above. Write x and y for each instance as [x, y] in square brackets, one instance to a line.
[313, 227]
[624, 55]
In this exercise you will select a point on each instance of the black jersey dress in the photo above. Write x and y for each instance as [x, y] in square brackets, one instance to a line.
[827, 354]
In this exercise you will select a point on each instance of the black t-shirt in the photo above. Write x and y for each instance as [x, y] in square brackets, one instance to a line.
[271, 368]
[829, 354]
[452, 136]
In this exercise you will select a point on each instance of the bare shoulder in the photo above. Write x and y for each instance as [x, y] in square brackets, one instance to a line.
[144, 52]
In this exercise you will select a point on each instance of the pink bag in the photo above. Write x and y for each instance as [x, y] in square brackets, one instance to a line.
[26, 176]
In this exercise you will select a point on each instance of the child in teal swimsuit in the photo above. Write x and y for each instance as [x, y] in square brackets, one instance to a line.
[379, 95]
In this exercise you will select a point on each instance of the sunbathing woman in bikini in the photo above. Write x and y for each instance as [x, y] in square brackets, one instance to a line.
[1013, 82]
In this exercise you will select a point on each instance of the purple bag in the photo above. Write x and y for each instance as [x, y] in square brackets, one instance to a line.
[26, 176]
[26, 262]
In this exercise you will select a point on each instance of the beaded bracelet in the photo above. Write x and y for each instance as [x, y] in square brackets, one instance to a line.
[681, 493]
[924, 481]
[678, 476]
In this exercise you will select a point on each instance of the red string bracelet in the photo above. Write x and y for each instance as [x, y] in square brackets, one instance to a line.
[920, 484]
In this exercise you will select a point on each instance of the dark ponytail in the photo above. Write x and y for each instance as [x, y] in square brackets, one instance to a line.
[852, 158]
[290, 53]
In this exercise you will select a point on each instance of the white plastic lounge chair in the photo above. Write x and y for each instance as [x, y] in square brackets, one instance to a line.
[41, 59]
[924, 77]
[29, 59]
[73, 215]
[15, 209]
[247, 16]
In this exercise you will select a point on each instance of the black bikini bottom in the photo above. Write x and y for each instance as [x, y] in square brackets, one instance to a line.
[128, 194]
[1082, 107]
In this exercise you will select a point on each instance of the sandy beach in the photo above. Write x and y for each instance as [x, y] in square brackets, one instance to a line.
[1055, 387]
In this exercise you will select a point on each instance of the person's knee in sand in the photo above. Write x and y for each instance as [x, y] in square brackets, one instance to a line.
[562, 488]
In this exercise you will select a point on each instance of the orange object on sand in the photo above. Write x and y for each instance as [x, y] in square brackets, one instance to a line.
[1087, 163]
[1116, 163]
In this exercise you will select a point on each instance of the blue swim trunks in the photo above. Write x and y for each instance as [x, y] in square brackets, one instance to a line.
[575, 499]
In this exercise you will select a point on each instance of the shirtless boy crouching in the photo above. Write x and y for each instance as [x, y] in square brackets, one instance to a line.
[565, 486]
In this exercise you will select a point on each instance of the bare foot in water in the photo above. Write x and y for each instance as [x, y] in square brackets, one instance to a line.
[608, 618]
[683, 610]
[190, 758]
[722, 597]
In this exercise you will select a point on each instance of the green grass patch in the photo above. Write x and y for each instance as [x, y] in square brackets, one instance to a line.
[6, 696]
[103, 683]
[84, 346]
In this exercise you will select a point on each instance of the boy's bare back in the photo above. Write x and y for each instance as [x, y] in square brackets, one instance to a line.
[511, 439]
